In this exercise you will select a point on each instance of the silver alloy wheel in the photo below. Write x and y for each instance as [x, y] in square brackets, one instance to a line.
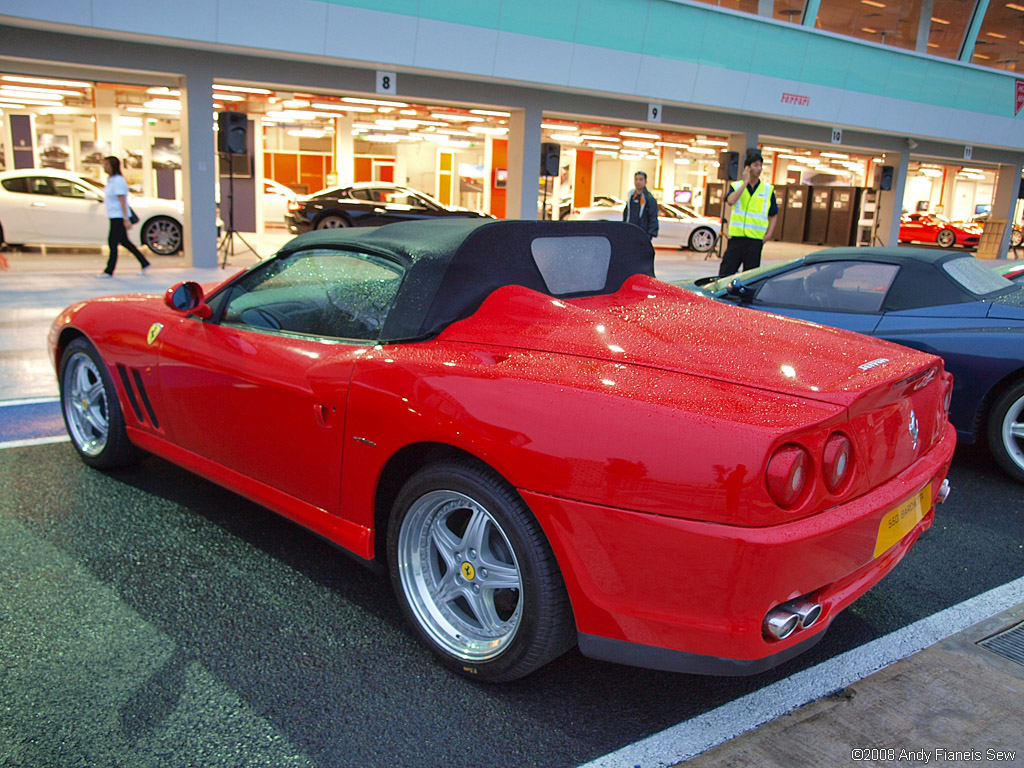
[162, 236]
[946, 238]
[460, 575]
[1013, 432]
[85, 405]
[332, 222]
[702, 240]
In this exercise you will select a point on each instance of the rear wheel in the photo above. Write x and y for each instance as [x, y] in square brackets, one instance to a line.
[946, 238]
[702, 239]
[91, 410]
[162, 235]
[1006, 431]
[332, 221]
[475, 575]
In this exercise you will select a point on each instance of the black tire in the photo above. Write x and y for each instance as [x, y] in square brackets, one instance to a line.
[1006, 431]
[702, 239]
[456, 526]
[946, 237]
[333, 221]
[162, 235]
[92, 413]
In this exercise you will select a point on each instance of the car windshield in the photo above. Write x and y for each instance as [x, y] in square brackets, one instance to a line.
[722, 283]
[682, 212]
[976, 278]
[92, 183]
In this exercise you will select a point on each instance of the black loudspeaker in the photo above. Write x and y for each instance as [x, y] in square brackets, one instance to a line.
[1020, 190]
[728, 166]
[232, 128]
[885, 177]
[550, 154]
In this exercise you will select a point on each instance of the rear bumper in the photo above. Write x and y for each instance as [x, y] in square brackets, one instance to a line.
[688, 596]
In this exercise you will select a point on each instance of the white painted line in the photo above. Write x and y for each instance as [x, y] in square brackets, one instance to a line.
[693, 737]
[35, 441]
[29, 401]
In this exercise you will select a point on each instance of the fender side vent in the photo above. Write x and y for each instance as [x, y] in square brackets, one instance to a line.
[1009, 643]
[145, 398]
[126, 383]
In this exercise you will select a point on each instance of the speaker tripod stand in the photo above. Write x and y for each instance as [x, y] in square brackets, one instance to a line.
[227, 243]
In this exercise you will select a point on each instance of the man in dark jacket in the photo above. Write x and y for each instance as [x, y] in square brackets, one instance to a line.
[641, 208]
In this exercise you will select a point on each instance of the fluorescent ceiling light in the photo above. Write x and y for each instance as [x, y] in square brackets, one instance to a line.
[340, 107]
[714, 142]
[638, 144]
[46, 81]
[640, 135]
[374, 102]
[240, 89]
[490, 112]
[588, 137]
[559, 127]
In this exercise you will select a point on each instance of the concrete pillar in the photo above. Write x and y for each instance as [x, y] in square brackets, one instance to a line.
[523, 162]
[199, 168]
[1004, 206]
[891, 201]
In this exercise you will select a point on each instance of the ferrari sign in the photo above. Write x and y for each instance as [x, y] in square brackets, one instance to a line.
[1019, 97]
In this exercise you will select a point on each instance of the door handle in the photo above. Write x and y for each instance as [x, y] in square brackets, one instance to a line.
[38, 205]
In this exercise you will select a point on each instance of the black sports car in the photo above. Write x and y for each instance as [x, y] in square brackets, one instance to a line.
[367, 204]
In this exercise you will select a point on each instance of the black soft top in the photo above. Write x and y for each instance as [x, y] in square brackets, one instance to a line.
[451, 265]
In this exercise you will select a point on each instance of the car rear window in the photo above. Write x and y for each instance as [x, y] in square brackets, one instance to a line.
[572, 264]
[19, 184]
[975, 277]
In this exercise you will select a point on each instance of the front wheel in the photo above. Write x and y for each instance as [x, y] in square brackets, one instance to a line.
[946, 238]
[474, 574]
[91, 410]
[162, 235]
[702, 239]
[1006, 431]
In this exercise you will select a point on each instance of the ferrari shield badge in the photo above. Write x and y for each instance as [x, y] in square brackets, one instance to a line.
[154, 331]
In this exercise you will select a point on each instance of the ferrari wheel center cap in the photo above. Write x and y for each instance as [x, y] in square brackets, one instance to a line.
[468, 571]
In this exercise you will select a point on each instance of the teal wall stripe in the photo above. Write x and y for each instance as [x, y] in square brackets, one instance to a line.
[708, 36]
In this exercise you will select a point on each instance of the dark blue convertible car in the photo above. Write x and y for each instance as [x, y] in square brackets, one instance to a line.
[949, 304]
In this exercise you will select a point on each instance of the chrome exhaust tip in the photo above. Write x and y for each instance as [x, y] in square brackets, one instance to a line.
[807, 612]
[944, 490]
[780, 623]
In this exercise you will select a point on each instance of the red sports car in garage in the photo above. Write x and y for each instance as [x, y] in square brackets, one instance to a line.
[932, 228]
[543, 444]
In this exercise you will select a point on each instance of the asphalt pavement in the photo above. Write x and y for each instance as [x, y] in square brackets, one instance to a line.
[197, 629]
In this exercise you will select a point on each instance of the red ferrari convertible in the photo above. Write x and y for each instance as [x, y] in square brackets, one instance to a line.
[543, 444]
[932, 228]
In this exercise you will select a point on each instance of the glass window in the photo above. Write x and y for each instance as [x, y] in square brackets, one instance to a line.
[572, 264]
[999, 43]
[319, 292]
[17, 184]
[67, 188]
[842, 286]
[401, 197]
[38, 185]
[976, 278]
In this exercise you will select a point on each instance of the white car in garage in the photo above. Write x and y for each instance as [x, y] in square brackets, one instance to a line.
[48, 206]
[678, 226]
[276, 197]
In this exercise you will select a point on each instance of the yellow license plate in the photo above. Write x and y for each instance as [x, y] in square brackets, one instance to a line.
[901, 521]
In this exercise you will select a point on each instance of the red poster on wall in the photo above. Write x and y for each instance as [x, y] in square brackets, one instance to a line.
[1019, 97]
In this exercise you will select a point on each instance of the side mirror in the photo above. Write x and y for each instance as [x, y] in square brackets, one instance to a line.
[740, 291]
[188, 297]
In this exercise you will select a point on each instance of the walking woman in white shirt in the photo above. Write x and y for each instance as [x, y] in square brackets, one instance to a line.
[116, 200]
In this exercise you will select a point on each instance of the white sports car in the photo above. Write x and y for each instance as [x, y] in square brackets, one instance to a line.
[48, 206]
[678, 226]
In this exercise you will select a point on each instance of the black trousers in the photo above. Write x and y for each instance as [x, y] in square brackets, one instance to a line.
[745, 251]
[119, 236]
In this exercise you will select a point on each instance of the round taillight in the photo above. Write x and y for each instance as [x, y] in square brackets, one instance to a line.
[788, 472]
[837, 461]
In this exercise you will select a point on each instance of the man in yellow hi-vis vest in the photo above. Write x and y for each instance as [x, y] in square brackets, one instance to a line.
[754, 210]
